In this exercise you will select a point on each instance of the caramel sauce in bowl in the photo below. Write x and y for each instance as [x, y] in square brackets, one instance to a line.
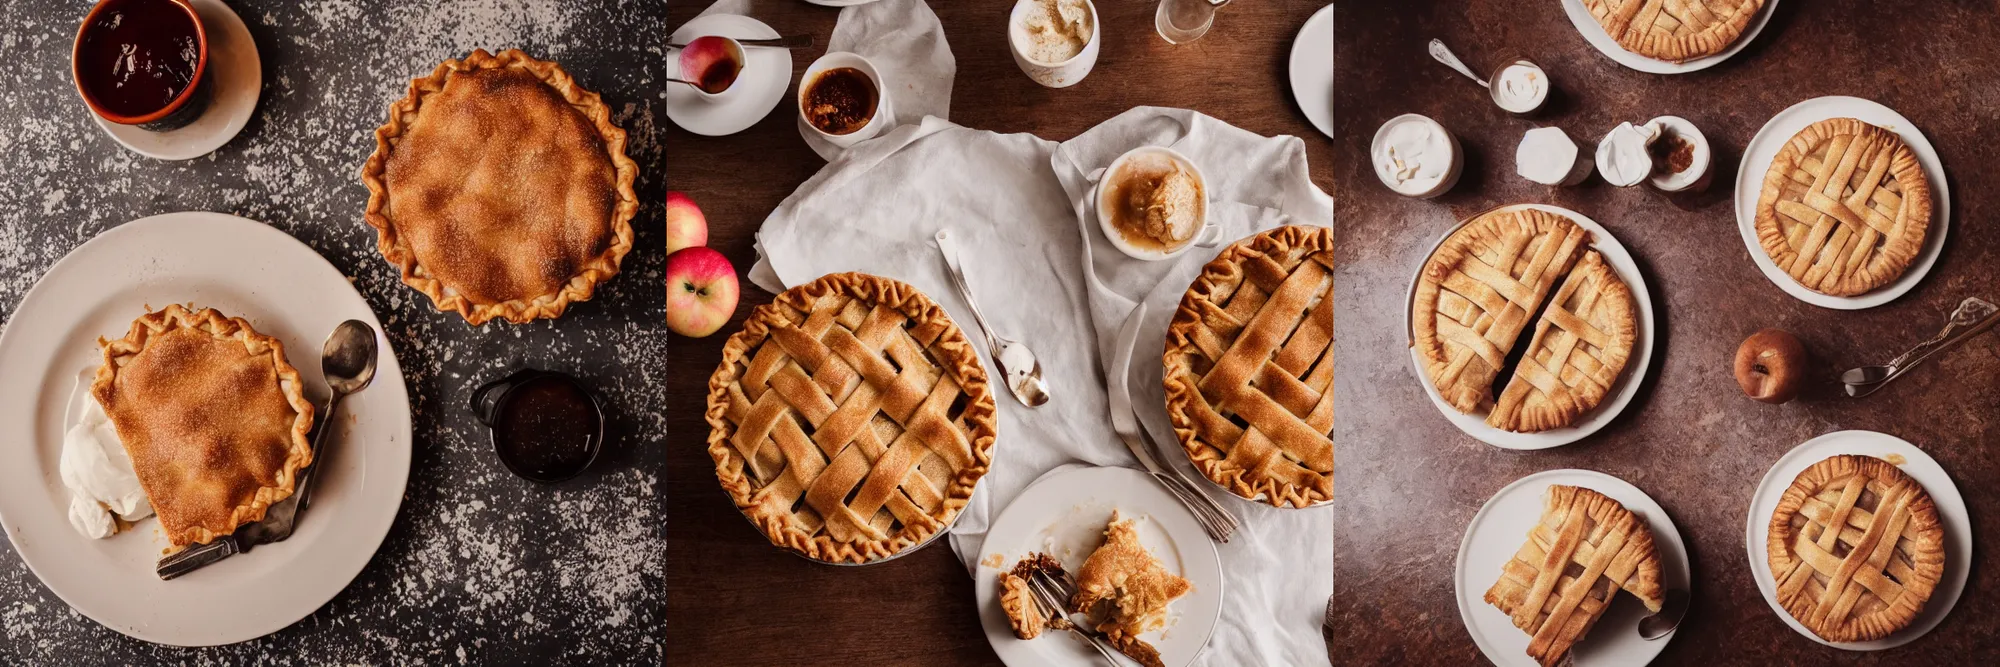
[546, 426]
[143, 63]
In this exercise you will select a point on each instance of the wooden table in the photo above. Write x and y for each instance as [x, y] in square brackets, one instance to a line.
[1410, 482]
[735, 599]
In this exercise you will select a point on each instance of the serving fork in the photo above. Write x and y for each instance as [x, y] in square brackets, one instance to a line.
[1050, 594]
[1214, 519]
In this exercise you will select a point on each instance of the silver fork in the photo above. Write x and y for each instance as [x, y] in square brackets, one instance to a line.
[1049, 593]
[1214, 519]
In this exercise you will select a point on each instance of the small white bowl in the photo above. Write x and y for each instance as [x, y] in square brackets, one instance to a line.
[1209, 234]
[1451, 173]
[1054, 75]
[1697, 170]
[835, 60]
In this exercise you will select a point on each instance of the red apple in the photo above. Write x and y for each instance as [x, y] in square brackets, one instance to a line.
[686, 228]
[701, 291]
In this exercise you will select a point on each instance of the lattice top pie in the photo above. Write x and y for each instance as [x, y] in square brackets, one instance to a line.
[1586, 548]
[1845, 207]
[1871, 577]
[1249, 367]
[850, 419]
[500, 188]
[212, 415]
[1674, 30]
[1581, 344]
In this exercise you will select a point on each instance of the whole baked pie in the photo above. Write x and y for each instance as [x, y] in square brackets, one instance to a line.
[1585, 549]
[1844, 208]
[500, 188]
[1479, 290]
[1249, 367]
[850, 419]
[1133, 588]
[1674, 30]
[212, 416]
[1872, 575]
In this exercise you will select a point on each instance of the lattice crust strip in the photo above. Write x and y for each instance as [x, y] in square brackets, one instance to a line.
[1584, 550]
[1871, 576]
[1581, 344]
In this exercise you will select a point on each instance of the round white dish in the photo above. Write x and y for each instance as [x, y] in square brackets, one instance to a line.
[237, 81]
[1063, 514]
[1764, 147]
[1919, 466]
[1628, 383]
[246, 269]
[1498, 531]
[767, 73]
[1055, 75]
[1311, 69]
[1594, 33]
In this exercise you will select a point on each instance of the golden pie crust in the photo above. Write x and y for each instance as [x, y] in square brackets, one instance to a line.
[1581, 344]
[1844, 208]
[1024, 614]
[1872, 577]
[1585, 549]
[212, 415]
[1132, 584]
[850, 419]
[1674, 30]
[500, 188]
[1249, 368]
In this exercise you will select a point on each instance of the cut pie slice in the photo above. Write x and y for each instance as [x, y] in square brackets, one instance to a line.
[1872, 575]
[1586, 548]
[1479, 290]
[1580, 346]
[1024, 614]
[1134, 586]
[1844, 208]
[212, 415]
[1674, 30]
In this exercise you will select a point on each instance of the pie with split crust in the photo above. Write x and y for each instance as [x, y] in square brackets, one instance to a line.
[213, 417]
[1844, 208]
[1674, 30]
[850, 419]
[1585, 549]
[1133, 587]
[1249, 368]
[1580, 345]
[1870, 577]
[500, 188]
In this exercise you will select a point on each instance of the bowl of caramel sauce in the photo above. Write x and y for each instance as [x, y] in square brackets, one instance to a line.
[142, 63]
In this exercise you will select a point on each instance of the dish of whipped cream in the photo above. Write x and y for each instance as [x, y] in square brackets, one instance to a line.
[1413, 155]
[104, 492]
[1053, 31]
[1520, 87]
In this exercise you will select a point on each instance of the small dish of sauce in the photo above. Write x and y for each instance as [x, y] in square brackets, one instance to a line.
[840, 101]
[546, 426]
[141, 62]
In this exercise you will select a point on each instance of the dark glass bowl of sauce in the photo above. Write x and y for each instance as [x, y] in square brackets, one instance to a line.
[546, 426]
[143, 63]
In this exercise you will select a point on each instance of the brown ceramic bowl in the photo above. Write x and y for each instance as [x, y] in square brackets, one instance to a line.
[184, 108]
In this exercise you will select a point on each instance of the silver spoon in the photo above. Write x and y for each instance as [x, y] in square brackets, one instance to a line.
[1671, 612]
[1973, 316]
[1019, 368]
[1444, 55]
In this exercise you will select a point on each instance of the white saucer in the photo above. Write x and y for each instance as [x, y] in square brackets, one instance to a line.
[767, 74]
[247, 269]
[1498, 531]
[1063, 514]
[1764, 147]
[236, 79]
[1312, 69]
[1919, 466]
[1594, 33]
[1628, 382]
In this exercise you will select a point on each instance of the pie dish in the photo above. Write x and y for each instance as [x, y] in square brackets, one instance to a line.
[1674, 30]
[850, 419]
[1249, 368]
[1844, 207]
[1024, 614]
[1585, 549]
[500, 188]
[1133, 588]
[212, 415]
[1872, 577]
[1581, 343]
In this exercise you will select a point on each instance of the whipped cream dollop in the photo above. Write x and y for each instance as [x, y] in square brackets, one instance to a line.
[1053, 31]
[1521, 87]
[97, 470]
[1413, 156]
[1622, 157]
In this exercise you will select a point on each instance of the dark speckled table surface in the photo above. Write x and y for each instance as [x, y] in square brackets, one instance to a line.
[1409, 482]
[480, 567]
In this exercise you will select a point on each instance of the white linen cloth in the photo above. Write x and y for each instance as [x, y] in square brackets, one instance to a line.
[875, 209]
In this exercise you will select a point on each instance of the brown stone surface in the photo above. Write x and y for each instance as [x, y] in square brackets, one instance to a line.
[1409, 482]
[734, 599]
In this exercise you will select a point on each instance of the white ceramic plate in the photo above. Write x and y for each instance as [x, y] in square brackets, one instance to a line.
[767, 73]
[1063, 514]
[1594, 33]
[236, 81]
[245, 269]
[1312, 70]
[1764, 147]
[1628, 382]
[1499, 529]
[1916, 464]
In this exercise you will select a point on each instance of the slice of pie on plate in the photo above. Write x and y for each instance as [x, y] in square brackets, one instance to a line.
[1479, 289]
[1581, 343]
[1024, 614]
[1249, 368]
[1872, 575]
[1585, 549]
[500, 188]
[1133, 587]
[1674, 30]
[212, 415]
[850, 419]
[1844, 208]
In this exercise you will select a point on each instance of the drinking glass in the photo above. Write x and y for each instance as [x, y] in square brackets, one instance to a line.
[1183, 21]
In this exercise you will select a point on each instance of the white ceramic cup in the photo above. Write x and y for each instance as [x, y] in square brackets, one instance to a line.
[1452, 171]
[1054, 75]
[1208, 234]
[1697, 171]
[835, 60]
